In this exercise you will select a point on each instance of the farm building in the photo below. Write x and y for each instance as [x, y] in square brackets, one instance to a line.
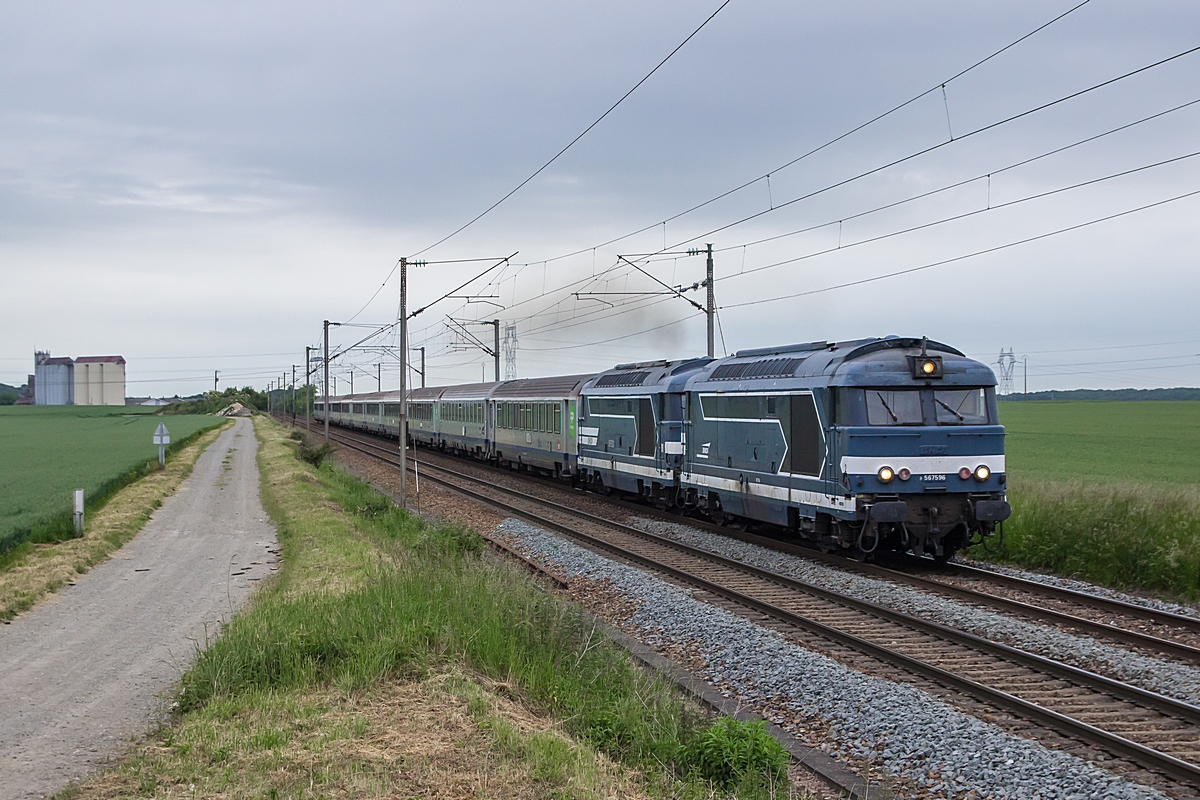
[84, 381]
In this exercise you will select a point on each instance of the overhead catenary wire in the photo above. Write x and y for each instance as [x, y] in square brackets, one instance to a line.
[966, 256]
[603, 313]
[583, 133]
[926, 150]
[965, 215]
[957, 184]
[586, 279]
[975, 65]
[813, 151]
[932, 148]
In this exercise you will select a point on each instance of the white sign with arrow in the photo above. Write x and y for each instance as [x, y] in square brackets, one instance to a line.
[162, 438]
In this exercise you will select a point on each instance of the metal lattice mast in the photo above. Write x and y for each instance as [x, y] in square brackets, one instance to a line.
[510, 352]
[1006, 363]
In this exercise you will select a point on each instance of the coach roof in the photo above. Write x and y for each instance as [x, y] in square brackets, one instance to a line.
[555, 386]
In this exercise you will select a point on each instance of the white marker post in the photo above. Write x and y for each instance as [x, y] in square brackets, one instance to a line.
[162, 438]
[78, 515]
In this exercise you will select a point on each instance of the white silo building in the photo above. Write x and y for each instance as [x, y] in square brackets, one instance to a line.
[100, 381]
[84, 381]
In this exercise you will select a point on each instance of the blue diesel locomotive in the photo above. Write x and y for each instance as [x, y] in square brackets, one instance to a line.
[855, 446]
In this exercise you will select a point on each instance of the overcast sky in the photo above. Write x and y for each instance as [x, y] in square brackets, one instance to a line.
[198, 187]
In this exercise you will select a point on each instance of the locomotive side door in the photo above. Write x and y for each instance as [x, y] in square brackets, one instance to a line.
[829, 418]
[669, 454]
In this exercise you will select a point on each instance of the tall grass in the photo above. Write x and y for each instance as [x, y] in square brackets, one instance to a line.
[428, 601]
[1124, 535]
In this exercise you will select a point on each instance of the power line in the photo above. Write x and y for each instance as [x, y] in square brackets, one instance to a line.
[964, 182]
[601, 312]
[831, 142]
[930, 149]
[766, 176]
[964, 215]
[1113, 347]
[598, 120]
[1119, 369]
[966, 256]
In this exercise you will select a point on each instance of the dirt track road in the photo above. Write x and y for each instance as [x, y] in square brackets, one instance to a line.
[90, 667]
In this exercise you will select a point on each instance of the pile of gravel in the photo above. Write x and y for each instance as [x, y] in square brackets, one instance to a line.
[1159, 675]
[1083, 586]
[903, 731]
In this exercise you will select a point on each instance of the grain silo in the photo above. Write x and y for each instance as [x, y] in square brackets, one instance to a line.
[54, 382]
[100, 381]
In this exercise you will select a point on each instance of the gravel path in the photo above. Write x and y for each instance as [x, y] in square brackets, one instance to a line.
[87, 669]
[1083, 586]
[1159, 675]
[906, 733]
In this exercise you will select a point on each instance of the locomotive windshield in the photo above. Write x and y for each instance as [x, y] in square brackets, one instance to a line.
[960, 406]
[966, 406]
[894, 407]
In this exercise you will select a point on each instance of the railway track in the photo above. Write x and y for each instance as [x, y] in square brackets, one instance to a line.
[1122, 616]
[924, 574]
[1109, 618]
[1140, 727]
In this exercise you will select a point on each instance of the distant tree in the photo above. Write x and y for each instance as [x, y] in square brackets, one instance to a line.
[212, 402]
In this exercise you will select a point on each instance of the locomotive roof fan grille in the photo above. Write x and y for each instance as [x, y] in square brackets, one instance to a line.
[757, 370]
[622, 379]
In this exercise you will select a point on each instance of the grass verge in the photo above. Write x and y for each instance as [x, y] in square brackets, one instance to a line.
[1123, 535]
[32, 570]
[394, 657]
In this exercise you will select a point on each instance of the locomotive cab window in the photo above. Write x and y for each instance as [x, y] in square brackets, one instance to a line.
[961, 406]
[894, 407]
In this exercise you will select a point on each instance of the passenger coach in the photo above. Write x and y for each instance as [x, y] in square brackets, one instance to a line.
[535, 423]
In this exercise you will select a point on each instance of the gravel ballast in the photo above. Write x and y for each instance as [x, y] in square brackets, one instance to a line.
[902, 731]
[1165, 677]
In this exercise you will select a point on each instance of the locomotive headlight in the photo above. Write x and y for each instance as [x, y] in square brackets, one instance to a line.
[982, 473]
[925, 366]
[903, 474]
[885, 474]
[964, 473]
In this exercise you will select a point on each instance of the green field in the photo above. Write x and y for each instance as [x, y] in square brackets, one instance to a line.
[46, 452]
[1105, 491]
[1152, 442]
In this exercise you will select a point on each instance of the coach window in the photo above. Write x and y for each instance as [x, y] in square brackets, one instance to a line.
[894, 407]
[556, 423]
